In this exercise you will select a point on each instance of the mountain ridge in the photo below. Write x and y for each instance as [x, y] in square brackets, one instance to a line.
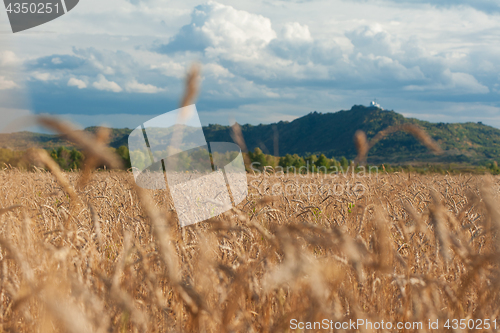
[330, 134]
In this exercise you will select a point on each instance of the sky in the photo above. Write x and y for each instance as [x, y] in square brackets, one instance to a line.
[122, 62]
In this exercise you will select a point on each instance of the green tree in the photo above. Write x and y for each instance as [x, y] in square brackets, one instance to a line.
[291, 163]
[62, 156]
[139, 159]
[258, 158]
[286, 161]
[322, 164]
[76, 159]
[125, 155]
[344, 163]
[310, 162]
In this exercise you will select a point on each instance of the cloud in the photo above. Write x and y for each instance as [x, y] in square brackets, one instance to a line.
[296, 32]
[246, 45]
[373, 39]
[114, 71]
[171, 68]
[55, 62]
[263, 55]
[74, 82]
[8, 58]
[137, 87]
[487, 6]
[44, 76]
[103, 84]
[217, 71]
[460, 83]
[220, 30]
[297, 44]
[7, 84]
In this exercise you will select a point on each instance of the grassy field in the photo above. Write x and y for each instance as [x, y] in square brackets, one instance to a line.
[105, 256]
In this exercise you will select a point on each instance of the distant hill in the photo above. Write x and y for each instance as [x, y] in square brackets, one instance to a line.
[24, 140]
[331, 134]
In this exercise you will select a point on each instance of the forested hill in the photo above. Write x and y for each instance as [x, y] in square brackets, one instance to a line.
[332, 134]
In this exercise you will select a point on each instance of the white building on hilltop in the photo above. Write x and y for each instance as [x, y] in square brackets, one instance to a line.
[374, 104]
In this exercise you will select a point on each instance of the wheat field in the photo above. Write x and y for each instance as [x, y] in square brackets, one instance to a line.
[106, 256]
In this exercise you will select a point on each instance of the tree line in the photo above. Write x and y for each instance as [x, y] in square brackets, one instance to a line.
[67, 158]
[72, 159]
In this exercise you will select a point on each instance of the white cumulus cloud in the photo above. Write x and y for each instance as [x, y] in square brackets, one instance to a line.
[74, 82]
[171, 68]
[217, 71]
[103, 84]
[8, 58]
[6, 83]
[467, 83]
[297, 32]
[458, 83]
[43, 76]
[221, 30]
[134, 86]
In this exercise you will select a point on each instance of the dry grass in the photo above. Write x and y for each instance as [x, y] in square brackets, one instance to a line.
[409, 250]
